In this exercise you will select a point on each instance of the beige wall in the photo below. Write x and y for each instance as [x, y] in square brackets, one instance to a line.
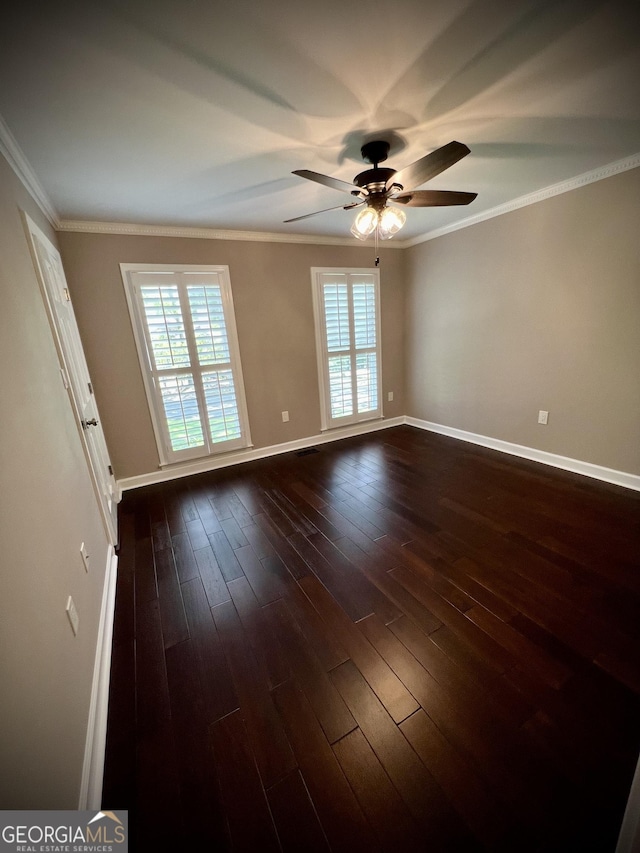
[271, 287]
[536, 309]
[47, 510]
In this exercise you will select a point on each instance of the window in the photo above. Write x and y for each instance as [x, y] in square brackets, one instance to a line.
[186, 337]
[347, 314]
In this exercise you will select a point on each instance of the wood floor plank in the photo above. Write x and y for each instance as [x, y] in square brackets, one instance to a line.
[548, 669]
[173, 499]
[146, 586]
[294, 563]
[295, 818]
[485, 744]
[211, 576]
[247, 811]
[239, 511]
[307, 494]
[227, 560]
[306, 504]
[270, 745]
[160, 535]
[347, 588]
[247, 493]
[216, 685]
[431, 571]
[403, 601]
[291, 510]
[367, 591]
[206, 515]
[268, 645]
[220, 502]
[266, 578]
[390, 690]
[324, 644]
[186, 565]
[493, 653]
[174, 621]
[157, 791]
[197, 534]
[479, 593]
[258, 541]
[340, 815]
[351, 588]
[422, 796]
[378, 798]
[333, 715]
[155, 763]
[483, 814]
[152, 692]
[450, 674]
[203, 815]
[234, 534]
[120, 771]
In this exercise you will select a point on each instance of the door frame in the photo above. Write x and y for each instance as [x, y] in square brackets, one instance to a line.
[107, 511]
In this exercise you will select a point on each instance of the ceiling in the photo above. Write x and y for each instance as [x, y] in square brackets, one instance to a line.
[194, 113]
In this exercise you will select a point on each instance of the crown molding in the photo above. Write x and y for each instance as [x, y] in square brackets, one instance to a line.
[599, 174]
[139, 230]
[21, 166]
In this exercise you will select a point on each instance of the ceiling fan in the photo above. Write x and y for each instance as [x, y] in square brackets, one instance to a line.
[374, 189]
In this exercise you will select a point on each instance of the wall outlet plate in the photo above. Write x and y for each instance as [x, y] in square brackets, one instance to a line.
[85, 556]
[543, 417]
[72, 613]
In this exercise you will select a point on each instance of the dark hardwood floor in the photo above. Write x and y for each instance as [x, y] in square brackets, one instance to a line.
[399, 642]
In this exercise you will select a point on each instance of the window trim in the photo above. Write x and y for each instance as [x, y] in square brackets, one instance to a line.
[167, 456]
[322, 355]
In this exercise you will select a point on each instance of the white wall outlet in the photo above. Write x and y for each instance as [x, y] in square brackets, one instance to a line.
[285, 417]
[72, 613]
[85, 557]
[390, 396]
[543, 417]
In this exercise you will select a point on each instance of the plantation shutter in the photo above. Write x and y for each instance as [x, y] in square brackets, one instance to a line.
[188, 347]
[347, 327]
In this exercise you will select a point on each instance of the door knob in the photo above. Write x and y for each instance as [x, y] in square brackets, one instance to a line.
[92, 422]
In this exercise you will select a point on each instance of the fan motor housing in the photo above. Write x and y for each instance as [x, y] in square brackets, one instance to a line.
[374, 180]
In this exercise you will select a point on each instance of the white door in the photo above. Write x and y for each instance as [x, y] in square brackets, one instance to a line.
[75, 374]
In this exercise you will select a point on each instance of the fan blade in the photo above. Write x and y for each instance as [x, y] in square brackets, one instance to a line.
[429, 166]
[433, 198]
[307, 215]
[334, 183]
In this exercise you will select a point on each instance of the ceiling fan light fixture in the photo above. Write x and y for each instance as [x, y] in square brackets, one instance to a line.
[379, 189]
[365, 223]
[390, 222]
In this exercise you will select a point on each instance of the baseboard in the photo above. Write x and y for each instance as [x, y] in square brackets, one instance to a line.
[93, 766]
[629, 838]
[212, 463]
[588, 469]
